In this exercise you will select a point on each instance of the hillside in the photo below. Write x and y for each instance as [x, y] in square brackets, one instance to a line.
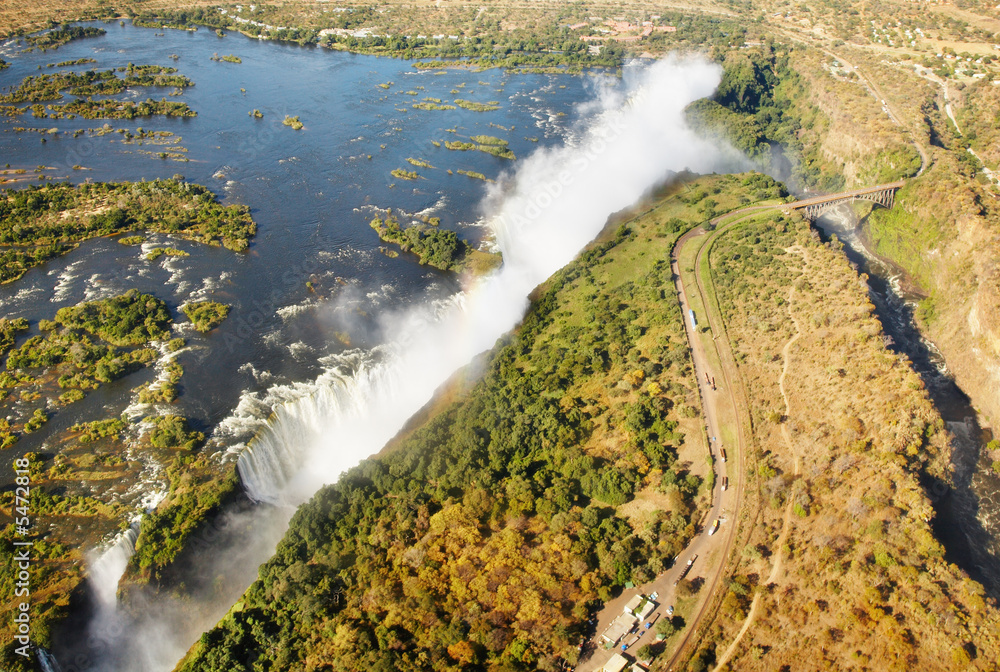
[848, 448]
[487, 535]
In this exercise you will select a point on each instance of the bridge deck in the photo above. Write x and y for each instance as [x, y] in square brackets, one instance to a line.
[819, 200]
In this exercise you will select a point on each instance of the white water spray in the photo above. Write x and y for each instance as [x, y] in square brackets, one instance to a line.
[556, 202]
[542, 216]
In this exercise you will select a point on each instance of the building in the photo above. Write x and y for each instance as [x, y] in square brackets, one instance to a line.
[621, 626]
[617, 663]
[646, 610]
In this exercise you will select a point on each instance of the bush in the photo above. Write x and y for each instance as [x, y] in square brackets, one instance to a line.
[205, 315]
[172, 431]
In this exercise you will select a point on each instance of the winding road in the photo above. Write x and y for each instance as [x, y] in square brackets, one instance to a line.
[712, 358]
[725, 412]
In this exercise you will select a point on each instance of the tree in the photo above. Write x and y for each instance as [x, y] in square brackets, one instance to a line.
[665, 628]
[686, 588]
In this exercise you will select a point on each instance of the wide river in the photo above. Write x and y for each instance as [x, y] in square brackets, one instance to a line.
[312, 193]
[288, 347]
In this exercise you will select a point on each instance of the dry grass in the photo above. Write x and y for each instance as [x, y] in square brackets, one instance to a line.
[396, 16]
[864, 584]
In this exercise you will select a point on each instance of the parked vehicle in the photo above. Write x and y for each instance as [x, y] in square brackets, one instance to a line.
[725, 483]
[686, 569]
[715, 526]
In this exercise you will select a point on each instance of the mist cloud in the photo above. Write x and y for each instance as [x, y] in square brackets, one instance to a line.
[555, 202]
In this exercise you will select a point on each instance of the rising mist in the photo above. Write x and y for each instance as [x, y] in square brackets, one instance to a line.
[633, 135]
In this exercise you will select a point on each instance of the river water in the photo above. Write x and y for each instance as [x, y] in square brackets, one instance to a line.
[287, 347]
[322, 376]
[968, 508]
[312, 193]
[316, 355]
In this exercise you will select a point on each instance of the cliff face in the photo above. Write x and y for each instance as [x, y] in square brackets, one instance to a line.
[486, 536]
[861, 120]
[943, 233]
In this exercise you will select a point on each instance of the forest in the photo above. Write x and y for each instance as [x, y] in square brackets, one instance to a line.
[485, 537]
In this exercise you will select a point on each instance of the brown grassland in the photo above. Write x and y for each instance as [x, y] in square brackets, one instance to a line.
[863, 582]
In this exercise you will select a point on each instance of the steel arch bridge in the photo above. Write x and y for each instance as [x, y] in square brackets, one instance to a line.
[814, 208]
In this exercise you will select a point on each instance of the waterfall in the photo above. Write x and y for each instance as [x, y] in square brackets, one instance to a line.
[46, 661]
[107, 568]
[556, 203]
[276, 454]
[633, 135]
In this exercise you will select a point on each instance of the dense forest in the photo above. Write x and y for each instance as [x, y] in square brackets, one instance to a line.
[487, 535]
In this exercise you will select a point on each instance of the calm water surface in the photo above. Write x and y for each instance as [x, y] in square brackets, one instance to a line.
[312, 193]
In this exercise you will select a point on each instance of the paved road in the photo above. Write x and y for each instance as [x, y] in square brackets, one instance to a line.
[705, 547]
[711, 551]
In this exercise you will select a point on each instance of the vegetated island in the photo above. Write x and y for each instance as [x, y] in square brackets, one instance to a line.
[205, 315]
[39, 223]
[478, 107]
[40, 88]
[293, 122]
[66, 354]
[435, 247]
[82, 485]
[158, 252]
[403, 174]
[78, 61]
[483, 143]
[49, 87]
[54, 39]
[115, 109]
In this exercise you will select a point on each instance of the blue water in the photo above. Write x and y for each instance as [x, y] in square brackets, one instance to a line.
[310, 191]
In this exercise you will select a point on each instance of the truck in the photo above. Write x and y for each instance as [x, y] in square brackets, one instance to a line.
[694, 323]
[715, 526]
[686, 569]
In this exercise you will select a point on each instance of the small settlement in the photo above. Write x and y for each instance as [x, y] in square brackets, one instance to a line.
[625, 630]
